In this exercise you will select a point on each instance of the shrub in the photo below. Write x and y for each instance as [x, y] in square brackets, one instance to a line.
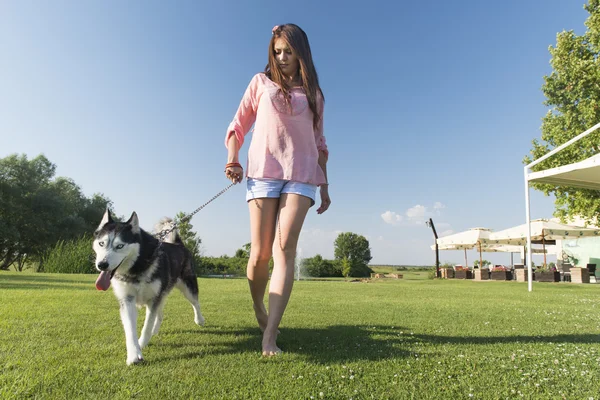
[320, 268]
[70, 257]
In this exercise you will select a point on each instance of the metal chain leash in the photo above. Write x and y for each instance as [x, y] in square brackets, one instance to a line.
[161, 235]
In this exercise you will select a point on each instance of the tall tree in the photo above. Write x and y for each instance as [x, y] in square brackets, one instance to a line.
[36, 210]
[354, 253]
[190, 238]
[572, 92]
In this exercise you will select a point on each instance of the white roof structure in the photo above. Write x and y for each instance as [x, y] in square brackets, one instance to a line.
[584, 174]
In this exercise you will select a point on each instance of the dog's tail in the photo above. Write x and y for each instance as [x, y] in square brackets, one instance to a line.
[167, 223]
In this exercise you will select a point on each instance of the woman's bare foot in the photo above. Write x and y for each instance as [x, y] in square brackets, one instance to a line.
[269, 346]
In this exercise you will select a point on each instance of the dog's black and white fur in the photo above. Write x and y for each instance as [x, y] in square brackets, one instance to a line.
[143, 271]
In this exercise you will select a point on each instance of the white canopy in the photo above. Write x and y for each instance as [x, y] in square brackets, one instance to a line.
[584, 174]
[580, 174]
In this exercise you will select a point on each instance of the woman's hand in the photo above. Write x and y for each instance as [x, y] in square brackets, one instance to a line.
[325, 200]
[234, 172]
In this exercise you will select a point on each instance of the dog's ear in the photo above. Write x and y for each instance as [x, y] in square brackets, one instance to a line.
[105, 219]
[134, 222]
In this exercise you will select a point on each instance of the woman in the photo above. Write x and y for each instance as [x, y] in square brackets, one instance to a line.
[286, 163]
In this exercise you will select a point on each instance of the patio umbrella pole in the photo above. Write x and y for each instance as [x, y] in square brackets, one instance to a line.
[466, 265]
[480, 257]
[544, 248]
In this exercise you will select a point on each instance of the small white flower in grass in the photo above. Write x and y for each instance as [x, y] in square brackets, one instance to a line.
[470, 394]
[321, 394]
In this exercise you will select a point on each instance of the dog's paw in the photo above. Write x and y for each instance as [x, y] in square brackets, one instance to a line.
[199, 320]
[137, 359]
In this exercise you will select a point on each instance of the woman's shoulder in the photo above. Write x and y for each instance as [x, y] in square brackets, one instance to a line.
[260, 77]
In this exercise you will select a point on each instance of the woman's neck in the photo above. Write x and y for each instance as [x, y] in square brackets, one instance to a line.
[293, 80]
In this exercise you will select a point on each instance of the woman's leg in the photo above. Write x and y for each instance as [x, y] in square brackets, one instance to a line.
[263, 215]
[292, 211]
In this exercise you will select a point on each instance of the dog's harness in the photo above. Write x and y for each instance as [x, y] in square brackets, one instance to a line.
[161, 235]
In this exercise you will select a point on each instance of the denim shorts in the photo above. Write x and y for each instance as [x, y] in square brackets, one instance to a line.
[260, 188]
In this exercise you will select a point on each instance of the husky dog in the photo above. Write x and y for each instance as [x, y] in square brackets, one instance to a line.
[143, 271]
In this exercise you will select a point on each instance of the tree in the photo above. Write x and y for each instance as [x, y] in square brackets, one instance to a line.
[244, 252]
[485, 263]
[190, 239]
[353, 252]
[572, 92]
[37, 210]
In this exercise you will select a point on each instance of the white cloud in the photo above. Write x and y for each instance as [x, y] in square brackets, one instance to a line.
[438, 206]
[391, 218]
[416, 212]
[416, 215]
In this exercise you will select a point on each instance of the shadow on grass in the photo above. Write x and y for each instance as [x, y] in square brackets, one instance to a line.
[27, 279]
[345, 343]
[44, 286]
[339, 343]
[37, 282]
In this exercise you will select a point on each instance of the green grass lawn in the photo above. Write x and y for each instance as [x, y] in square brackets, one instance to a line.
[390, 339]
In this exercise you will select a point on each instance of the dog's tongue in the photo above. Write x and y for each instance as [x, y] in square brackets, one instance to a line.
[103, 281]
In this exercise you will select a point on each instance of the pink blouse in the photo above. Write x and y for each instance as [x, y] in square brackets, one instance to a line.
[284, 143]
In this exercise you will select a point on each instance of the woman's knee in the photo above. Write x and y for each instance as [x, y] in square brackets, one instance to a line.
[287, 248]
[259, 257]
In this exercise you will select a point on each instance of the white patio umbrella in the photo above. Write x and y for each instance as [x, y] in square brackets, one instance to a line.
[491, 248]
[541, 230]
[470, 239]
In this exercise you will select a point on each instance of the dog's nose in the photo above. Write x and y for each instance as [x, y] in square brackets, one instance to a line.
[103, 265]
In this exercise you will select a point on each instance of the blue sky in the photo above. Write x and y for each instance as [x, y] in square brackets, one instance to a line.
[430, 109]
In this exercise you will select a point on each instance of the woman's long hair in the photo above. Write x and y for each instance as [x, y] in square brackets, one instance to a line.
[297, 40]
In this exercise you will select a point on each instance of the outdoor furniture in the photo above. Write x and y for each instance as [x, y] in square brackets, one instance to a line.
[580, 275]
[592, 269]
[481, 274]
[565, 271]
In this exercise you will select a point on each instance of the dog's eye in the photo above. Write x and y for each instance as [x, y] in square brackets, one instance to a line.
[101, 244]
[120, 246]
